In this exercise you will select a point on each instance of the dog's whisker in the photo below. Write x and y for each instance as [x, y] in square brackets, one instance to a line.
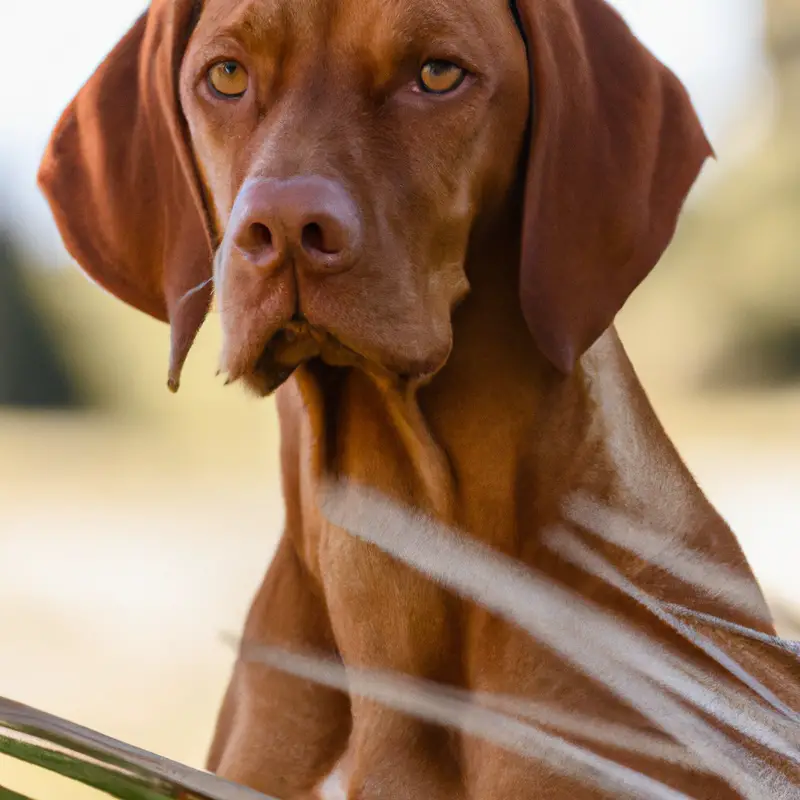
[194, 290]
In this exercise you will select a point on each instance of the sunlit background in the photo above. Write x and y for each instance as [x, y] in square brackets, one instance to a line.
[135, 526]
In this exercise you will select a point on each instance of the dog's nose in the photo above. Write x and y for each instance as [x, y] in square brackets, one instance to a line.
[311, 218]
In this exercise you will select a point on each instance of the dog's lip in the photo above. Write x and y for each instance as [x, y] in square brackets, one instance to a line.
[283, 350]
[298, 342]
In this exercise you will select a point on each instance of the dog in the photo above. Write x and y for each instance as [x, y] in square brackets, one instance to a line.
[419, 220]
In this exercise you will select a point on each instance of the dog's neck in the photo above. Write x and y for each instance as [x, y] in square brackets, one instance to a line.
[501, 445]
[498, 415]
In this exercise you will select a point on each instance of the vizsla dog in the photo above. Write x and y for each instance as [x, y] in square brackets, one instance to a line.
[419, 219]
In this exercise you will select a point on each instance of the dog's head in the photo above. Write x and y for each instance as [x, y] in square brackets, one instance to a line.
[329, 164]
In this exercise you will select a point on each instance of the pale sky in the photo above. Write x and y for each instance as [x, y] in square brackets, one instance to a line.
[713, 45]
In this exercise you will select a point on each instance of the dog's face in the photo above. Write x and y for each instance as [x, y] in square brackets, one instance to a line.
[347, 148]
[342, 157]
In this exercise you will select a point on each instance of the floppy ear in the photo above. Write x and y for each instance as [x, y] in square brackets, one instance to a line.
[615, 148]
[122, 185]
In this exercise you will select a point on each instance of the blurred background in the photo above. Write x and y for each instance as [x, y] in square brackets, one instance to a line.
[135, 526]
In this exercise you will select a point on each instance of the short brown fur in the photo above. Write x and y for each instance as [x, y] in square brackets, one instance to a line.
[476, 372]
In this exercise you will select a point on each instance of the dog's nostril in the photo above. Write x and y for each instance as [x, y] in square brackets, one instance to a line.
[257, 243]
[259, 237]
[316, 239]
[312, 237]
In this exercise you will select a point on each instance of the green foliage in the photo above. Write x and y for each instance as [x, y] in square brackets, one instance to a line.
[114, 782]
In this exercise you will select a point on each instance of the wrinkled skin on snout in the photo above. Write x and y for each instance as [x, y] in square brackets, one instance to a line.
[346, 196]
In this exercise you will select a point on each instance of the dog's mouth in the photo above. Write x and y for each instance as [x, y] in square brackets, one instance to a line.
[295, 344]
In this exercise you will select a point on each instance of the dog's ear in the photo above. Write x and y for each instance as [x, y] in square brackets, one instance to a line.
[615, 148]
[120, 179]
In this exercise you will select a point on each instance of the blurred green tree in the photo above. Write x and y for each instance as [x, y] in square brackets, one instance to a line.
[33, 372]
[728, 289]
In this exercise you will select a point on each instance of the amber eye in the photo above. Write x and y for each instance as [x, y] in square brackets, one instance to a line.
[440, 77]
[228, 79]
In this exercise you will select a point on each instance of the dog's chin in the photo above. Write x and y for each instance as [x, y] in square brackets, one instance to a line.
[296, 344]
[299, 343]
[267, 376]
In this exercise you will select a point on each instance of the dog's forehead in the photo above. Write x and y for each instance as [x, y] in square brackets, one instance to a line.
[355, 23]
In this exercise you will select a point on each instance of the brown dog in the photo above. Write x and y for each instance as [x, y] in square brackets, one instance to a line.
[423, 217]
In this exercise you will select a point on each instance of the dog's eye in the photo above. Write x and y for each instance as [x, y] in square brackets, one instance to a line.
[228, 79]
[440, 77]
